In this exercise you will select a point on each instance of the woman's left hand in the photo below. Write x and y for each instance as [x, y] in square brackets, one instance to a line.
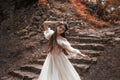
[87, 57]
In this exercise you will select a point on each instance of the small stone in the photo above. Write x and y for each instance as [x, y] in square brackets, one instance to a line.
[110, 33]
[71, 28]
[117, 39]
[32, 33]
[4, 78]
[37, 18]
[77, 30]
[25, 37]
[21, 32]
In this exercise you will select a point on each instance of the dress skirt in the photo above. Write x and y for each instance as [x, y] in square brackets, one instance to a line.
[58, 67]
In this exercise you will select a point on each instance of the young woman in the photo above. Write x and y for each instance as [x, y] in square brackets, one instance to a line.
[57, 65]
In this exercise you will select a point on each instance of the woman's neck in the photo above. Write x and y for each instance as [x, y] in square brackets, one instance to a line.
[58, 35]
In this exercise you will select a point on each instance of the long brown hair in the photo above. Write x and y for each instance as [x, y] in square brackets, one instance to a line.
[53, 38]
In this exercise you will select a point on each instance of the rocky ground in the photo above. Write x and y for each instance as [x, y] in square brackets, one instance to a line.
[107, 67]
[13, 17]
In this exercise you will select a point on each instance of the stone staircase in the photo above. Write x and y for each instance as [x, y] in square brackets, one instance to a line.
[87, 44]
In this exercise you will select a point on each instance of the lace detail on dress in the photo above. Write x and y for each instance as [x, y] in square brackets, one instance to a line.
[48, 33]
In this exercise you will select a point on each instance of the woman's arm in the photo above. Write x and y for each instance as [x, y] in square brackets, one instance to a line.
[67, 46]
[47, 23]
[49, 32]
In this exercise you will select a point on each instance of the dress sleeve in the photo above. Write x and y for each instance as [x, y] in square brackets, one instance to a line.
[69, 49]
[48, 33]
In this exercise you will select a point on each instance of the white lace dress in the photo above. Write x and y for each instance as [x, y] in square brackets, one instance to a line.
[57, 66]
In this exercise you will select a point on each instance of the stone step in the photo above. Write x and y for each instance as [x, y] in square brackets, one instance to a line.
[24, 75]
[13, 78]
[9, 77]
[35, 68]
[83, 61]
[39, 61]
[79, 67]
[85, 39]
[73, 60]
[91, 53]
[88, 46]
[43, 56]
[82, 35]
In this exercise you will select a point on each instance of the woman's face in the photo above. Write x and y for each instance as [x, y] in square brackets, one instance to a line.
[60, 29]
